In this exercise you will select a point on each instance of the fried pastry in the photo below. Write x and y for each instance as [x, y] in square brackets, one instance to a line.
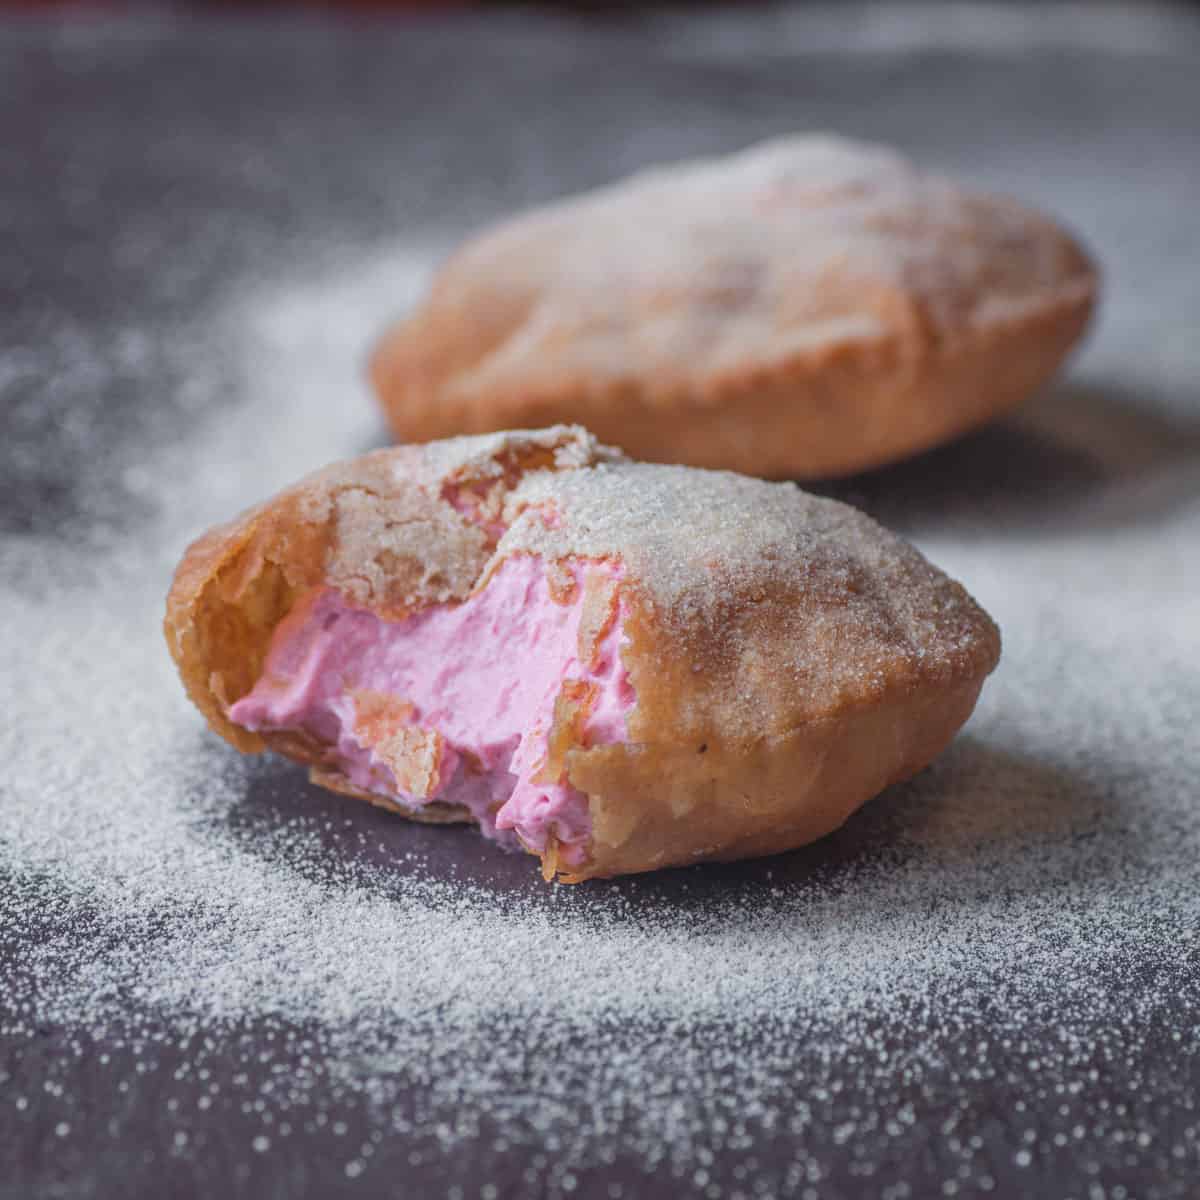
[808, 308]
[616, 665]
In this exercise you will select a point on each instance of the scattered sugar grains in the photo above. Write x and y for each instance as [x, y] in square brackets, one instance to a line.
[1037, 879]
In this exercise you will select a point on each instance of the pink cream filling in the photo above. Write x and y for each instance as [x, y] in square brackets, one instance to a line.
[457, 703]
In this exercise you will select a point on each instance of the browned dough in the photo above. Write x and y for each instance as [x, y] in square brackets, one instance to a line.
[790, 657]
[810, 307]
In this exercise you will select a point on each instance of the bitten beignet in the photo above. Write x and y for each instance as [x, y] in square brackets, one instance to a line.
[617, 665]
[809, 307]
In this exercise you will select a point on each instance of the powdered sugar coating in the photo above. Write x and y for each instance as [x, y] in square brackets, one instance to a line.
[787, 244]
[747, 232]
[809, 306]
[485, 456]
[696, 537]
[811, 600]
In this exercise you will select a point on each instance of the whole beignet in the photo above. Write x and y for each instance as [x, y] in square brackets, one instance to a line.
[618, 665]
[808, 307]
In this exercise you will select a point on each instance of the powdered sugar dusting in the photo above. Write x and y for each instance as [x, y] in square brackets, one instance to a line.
[689, 277]
[484, 455]
[743, 535]
[1028, 909]
[816, 204]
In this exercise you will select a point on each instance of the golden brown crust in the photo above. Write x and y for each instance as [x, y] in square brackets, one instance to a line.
[789, 657]
[670, 805]
[804, 309]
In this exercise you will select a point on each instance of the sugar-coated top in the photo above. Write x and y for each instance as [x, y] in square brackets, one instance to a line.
[485, 455]
[714, 265]
[786, 607]
[809, 307]
[691, 534]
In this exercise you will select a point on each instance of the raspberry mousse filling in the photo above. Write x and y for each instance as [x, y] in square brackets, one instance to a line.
[472, 704]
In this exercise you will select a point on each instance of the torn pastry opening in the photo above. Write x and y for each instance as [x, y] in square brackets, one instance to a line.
[473, 705]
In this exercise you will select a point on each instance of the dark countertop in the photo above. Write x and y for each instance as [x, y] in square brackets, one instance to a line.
[216, 980]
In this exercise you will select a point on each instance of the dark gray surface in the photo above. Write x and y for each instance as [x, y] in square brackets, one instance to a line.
[151, 168]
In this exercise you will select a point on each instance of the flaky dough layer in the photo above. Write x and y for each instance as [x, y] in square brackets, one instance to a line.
[807, 308]
[790, 658]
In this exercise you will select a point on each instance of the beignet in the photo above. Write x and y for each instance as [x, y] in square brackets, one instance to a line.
[807, 308]
[617, 665]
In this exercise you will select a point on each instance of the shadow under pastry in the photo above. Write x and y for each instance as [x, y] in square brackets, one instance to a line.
[1084, 457]
[981, 822]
